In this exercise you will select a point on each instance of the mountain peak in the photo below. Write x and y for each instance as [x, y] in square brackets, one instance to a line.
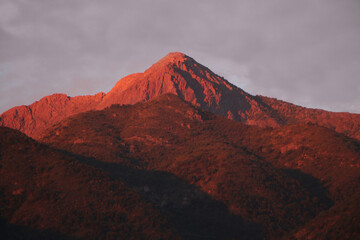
[176, 55]
[178, 74]
[172, 59]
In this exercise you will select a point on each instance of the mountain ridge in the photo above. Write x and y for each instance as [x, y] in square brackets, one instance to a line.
[181, 75]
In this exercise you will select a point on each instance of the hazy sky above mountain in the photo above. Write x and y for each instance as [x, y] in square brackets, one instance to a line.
[305, 52]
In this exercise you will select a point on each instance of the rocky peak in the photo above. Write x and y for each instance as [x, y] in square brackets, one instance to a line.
[173, 58]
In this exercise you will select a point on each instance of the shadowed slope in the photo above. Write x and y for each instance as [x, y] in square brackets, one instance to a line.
[342, 221]
[194, 213]
[48, 194]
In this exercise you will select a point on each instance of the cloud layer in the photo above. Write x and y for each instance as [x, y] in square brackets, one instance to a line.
[305, 52]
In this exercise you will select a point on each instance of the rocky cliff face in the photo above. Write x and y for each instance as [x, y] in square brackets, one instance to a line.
[181, 75]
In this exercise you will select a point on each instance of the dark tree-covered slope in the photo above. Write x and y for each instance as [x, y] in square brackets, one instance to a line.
[48, 194]
[279, 178]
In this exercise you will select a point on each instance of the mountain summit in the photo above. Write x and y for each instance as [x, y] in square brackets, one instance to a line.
[181, 75]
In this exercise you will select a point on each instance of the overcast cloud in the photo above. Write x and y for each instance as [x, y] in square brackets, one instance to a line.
[305, 52]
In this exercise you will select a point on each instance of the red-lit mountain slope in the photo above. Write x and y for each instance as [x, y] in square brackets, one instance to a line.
[332, 158]
[181, 75]
[342, 122]
[36, 117]
[279, 178]
[48, 194]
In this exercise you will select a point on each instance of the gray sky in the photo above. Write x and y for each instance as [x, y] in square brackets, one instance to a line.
[305, 52]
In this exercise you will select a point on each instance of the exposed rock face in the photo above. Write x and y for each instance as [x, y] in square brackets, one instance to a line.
[36, 117]
[181, 75]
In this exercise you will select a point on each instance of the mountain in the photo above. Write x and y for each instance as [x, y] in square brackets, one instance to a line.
[181, 75]
[277, 178]
[177, 152]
